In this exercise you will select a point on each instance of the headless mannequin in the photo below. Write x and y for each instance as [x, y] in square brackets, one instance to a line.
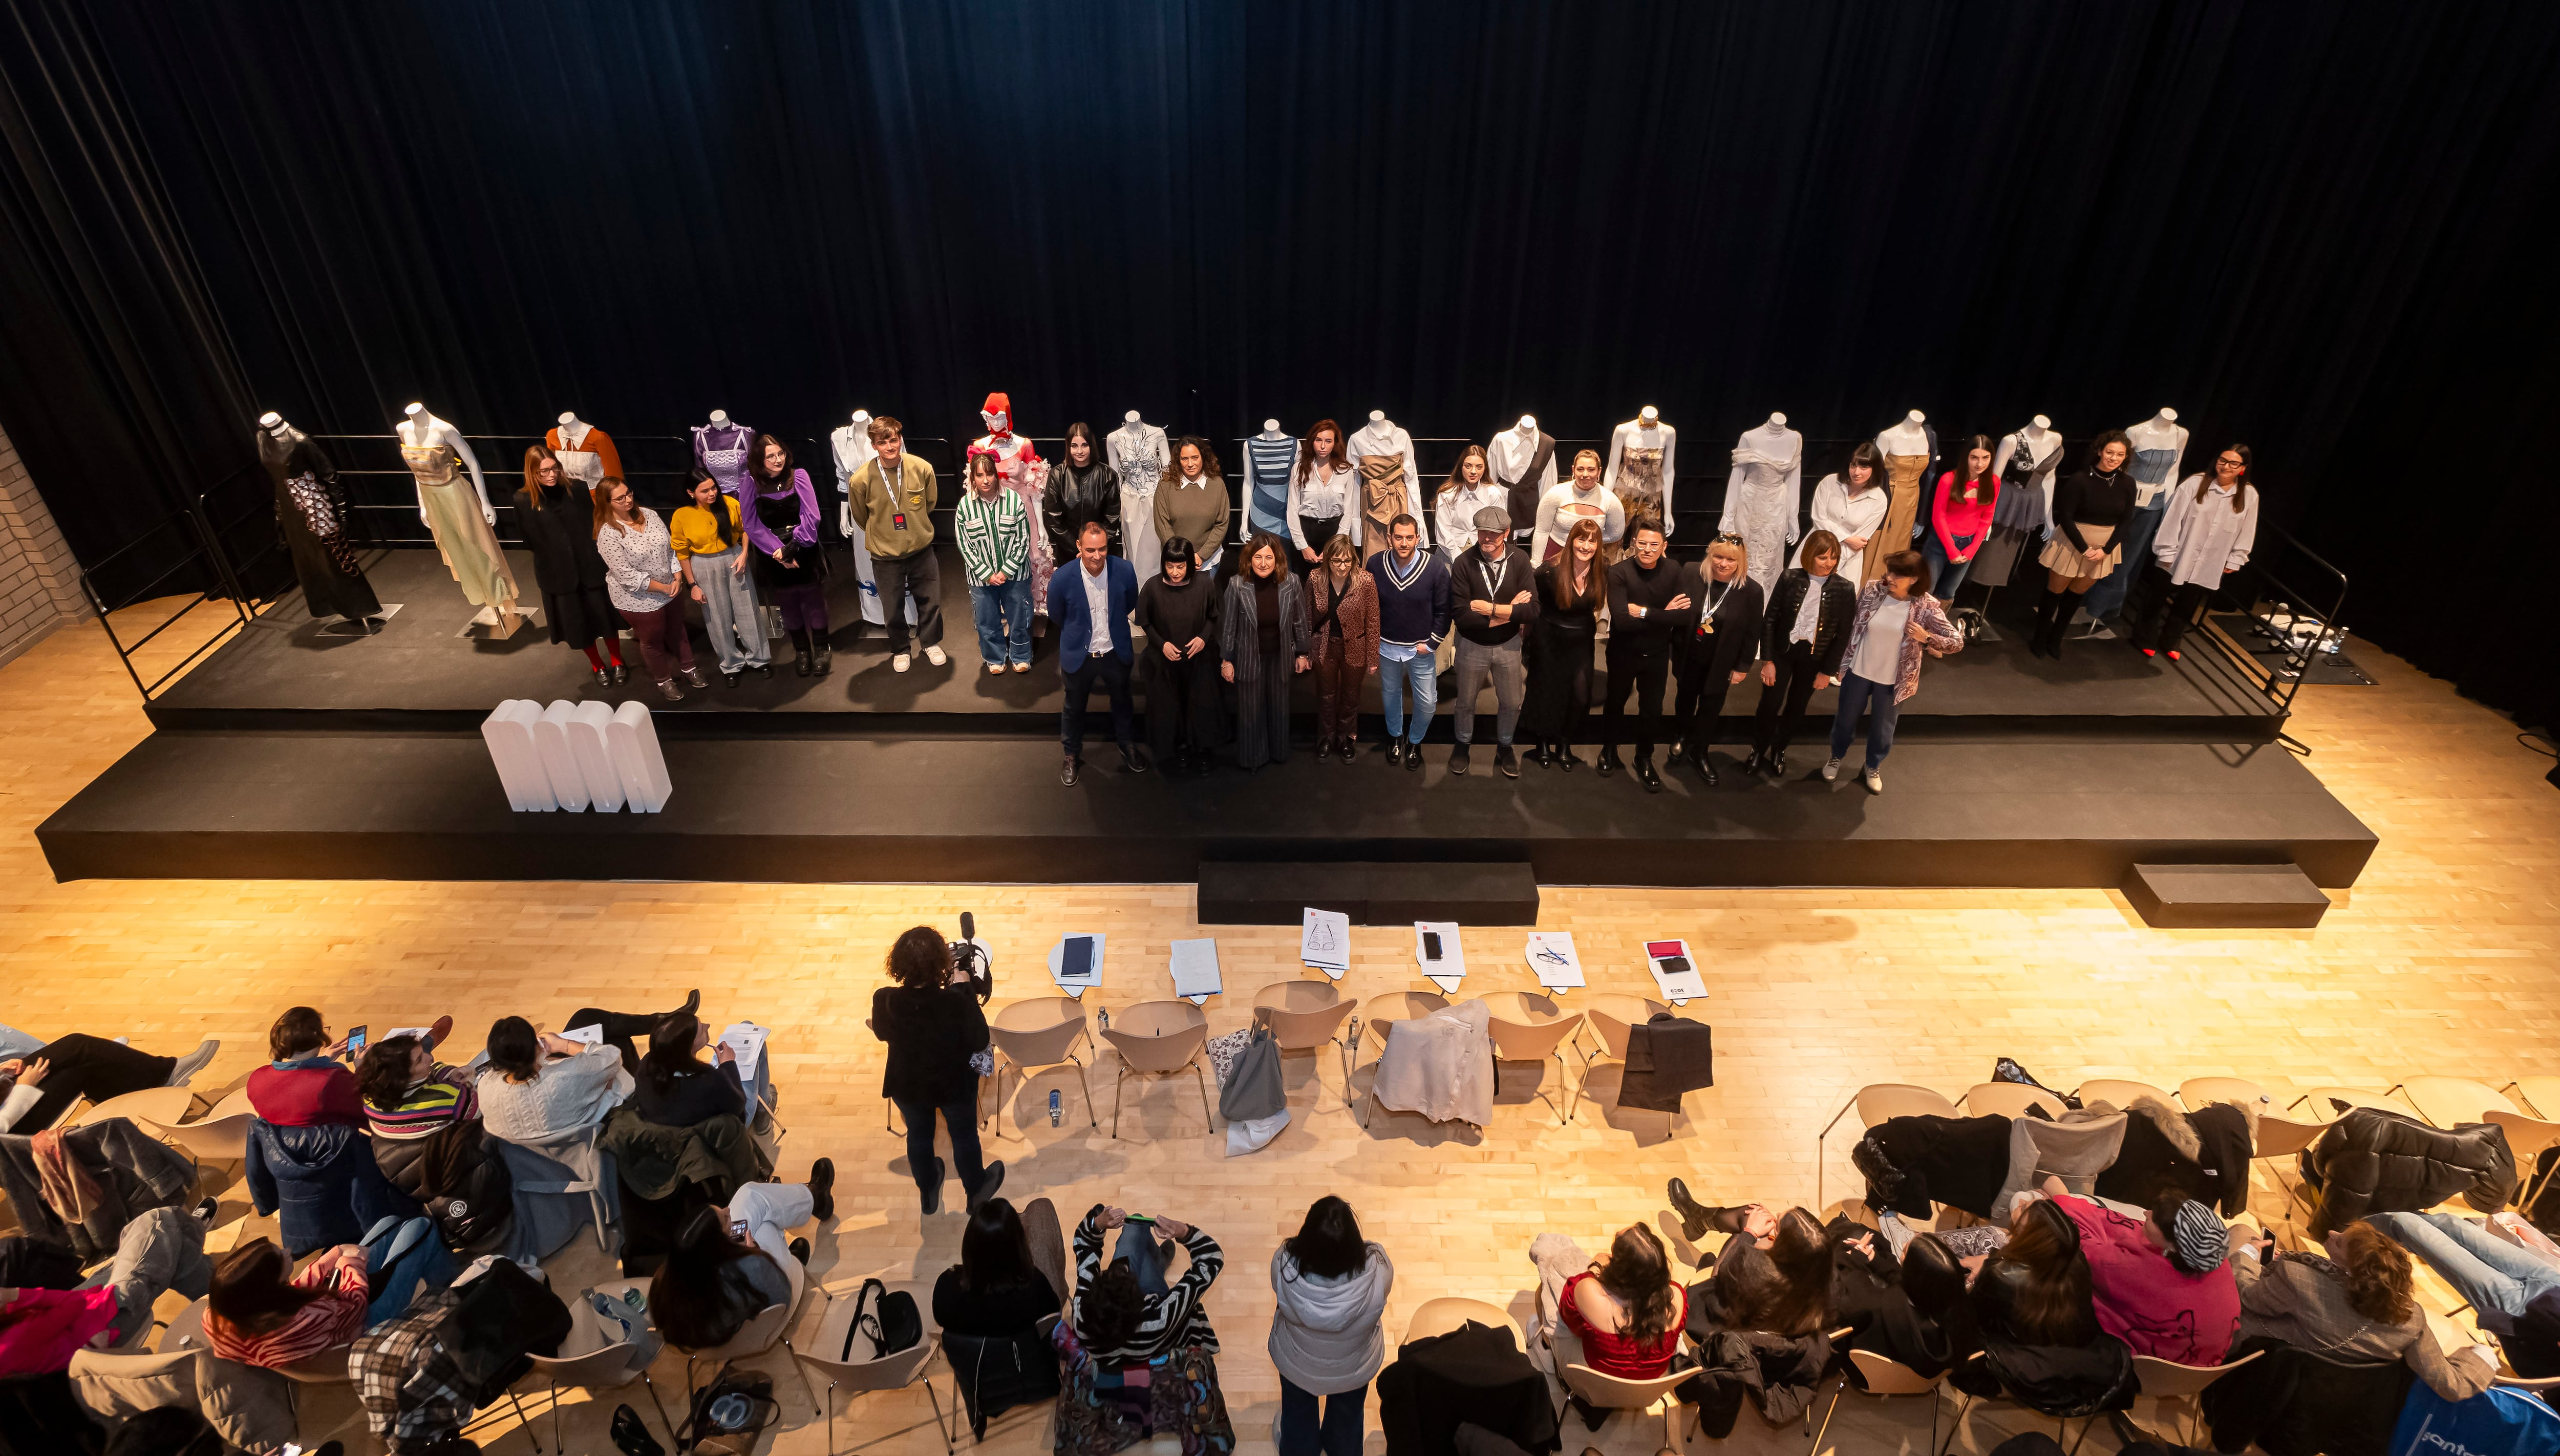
[2035, 450]
[1652, 466]
[726, 463]
[2039, 441]
[2153, 437]
[1524, 459]
[1764, 497]
[470, 549]
[1141, 455]
[587, 454]
[312, 518]
[1382, 497]
[1906, 506]
[852, 446]
[1269, 458]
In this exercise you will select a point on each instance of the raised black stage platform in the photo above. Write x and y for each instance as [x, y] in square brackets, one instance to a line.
[419, 673]
[427, 806]
[288, 753]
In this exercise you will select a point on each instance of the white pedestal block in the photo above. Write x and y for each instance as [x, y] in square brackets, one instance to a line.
[633, 737]
[509, 732]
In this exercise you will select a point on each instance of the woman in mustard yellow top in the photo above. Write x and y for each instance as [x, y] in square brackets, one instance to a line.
[711, 546]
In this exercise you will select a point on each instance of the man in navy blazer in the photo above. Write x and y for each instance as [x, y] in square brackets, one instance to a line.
[1089, 601]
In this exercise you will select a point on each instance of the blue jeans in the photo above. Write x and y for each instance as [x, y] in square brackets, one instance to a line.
[2484, 1269]
[1145, 1255]
[1948, 576]
[1422, 677]
[962, 1118]
[399, 1253]
[1857, 693]
[1004, 616]
[2108, 597]
[1336, 1434]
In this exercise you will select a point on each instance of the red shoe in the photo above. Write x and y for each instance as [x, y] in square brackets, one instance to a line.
[2147, 652]
[2173, 655]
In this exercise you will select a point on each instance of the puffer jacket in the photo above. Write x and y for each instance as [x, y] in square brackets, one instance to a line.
[1912, 1161]
[322, 1184]
[2204, 1154]
[2376, 1162]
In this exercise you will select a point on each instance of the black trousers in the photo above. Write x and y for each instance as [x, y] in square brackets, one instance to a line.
[1182, 700]
[1643, 671]
[1701, 702]
[623, 1030]
[1106, 668]
[2171, 614]
[81, 1065]
[916, 579]
[1782, 702]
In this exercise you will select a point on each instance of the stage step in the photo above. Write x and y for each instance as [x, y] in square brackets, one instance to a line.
[1275, 893]
[2225, 897]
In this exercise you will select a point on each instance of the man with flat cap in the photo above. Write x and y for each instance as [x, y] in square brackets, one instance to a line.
[1496, 600]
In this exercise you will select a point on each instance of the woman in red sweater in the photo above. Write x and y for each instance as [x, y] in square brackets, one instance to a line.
[1960, 519]
[1626, 1309]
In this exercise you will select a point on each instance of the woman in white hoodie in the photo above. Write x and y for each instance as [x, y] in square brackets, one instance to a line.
[1327, 1336]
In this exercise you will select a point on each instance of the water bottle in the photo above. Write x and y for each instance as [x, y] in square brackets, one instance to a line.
[1105, 1015]
[1351, 1037]
[1052, 1106]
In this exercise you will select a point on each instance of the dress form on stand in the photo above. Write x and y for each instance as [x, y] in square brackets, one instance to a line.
[460, 520]
[2042, 445]
[1141, 454]
[318, 531]
[1764, 497]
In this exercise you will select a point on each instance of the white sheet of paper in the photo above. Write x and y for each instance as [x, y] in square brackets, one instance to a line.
[584, 1036]
[1092, 972]
[1195, 964]
[1325, 941]
[1551, 956]
[1681, 988]
[746, 1039]
[1451, 967]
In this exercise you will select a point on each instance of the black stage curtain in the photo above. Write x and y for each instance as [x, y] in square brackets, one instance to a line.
[2322, 228]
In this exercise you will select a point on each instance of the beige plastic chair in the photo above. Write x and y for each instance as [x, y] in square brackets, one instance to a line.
[2538, 1093]
[1306, 1015]
[885, 1373]
[2329, 1105]
[1610, 1018]
[1528, 1026]
[1449, 1312]
[1887, 1377]
[1035, 1035]
[583, 1364]
[148, 1108]
[328, 1367]
[1381, 1012]
[1879, 1103]
[1159, 1038]
[2445, 1101]
[2007, 1099]
[760, 1333]
[208, 1139]
[1609, 1392]
[2119, 1092]
[2277, 1137]
[2167, 1381]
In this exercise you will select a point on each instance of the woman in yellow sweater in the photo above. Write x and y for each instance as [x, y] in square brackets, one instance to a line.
[711, 546]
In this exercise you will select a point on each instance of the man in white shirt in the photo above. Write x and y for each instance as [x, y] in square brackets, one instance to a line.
[1093, 644]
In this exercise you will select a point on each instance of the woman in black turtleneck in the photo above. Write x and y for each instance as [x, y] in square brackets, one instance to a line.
[2088, 509]
[1178, 611]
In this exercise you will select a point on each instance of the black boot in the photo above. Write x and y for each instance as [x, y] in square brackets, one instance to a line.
[821, 653]
[2051, 610]
[800, 655]
[2064, 604]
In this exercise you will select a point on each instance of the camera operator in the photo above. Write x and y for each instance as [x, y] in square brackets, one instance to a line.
[938, 1049]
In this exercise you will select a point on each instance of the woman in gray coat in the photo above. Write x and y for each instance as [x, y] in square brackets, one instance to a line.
[1262, 643]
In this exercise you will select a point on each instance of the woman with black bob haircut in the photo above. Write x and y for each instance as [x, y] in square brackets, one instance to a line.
[680, 1090]
[1178, 611]
[1327, 1338]
[937, 1051]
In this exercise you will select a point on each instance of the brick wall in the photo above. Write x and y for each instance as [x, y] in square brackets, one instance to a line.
[39, 580]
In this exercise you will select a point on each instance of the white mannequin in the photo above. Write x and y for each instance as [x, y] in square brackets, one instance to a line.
[1645, 432]
[1764, 497]
[1906, 438]
[1512, 452]
[1141, 454]
[1384, 436]
[854, 450]
[419, 427]
[274, 423]
[2160, 433]
[2041, 442]
[571, 428]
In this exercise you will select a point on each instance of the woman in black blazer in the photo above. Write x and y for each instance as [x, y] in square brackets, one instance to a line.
[938, 1049]
[1713, 656]
[1792, 668]
[557, 522]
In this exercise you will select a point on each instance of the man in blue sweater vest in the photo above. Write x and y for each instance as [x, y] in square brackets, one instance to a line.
[1412, 617]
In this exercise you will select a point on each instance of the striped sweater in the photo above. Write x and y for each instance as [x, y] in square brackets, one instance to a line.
[334, 1318]
[444, 1098]
[995, 534]
[1171, 1321]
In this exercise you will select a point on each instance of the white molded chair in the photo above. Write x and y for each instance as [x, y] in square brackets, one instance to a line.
[1305, 1016]
[1451, 1312]
[149, 1108]
[2119, 1092]
[1887, 1377]
[2007, 1099]
[1880, 1102]
[1379, 1013]
[2445, 1101]
[1528, 1026]
[1160, 1039]
[879, 1372]
[2166, 1380]
[584, 1363]
[1035, 1035]
[1609, 1392]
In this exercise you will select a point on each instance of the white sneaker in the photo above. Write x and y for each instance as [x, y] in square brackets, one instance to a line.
[193, 1063]
[1021, 667]
[1875, 782]
[900, 663]
[995, 667]
[1831, 770]
[936, 656]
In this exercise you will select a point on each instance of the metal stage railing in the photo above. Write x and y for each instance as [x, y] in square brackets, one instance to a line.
[197, 557]
[2294, 600]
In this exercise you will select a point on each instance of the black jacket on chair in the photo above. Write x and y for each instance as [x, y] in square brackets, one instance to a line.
[2376, 1162]
[1831, 628]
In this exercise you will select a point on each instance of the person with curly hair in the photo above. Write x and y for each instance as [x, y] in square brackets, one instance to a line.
[937, 1041]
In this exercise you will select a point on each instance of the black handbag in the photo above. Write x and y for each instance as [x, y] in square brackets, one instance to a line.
[734, 1409]
[895, 1324]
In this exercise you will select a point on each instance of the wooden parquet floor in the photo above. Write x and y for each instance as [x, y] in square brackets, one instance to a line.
[2442, 961]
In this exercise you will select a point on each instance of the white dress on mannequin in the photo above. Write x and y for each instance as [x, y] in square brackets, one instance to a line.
[1764, 498]
[1141, 454]
[853, 448]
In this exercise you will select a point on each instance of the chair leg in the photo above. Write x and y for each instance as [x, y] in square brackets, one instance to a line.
[831, 1419]
[559, 1442]
[1956, 1427]
[938, 1427]
[1087, 1079]
[527, 1422]
[652, 1387]
[1836, 1392]
[1119, 1093]
[1201, 1077]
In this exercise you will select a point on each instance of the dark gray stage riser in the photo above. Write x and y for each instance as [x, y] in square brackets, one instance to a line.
[595, 851]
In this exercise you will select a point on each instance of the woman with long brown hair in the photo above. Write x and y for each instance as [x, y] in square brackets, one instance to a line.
[1572, 591]
[2035, 1290]
[1626, 1309]
[1342, 612]
[556, 514]
[1324, 499]
[2207, 534]
[781, 509]
[642, 575]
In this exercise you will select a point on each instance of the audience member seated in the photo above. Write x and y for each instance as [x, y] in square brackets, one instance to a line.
[2513, 1291]
[526, 1098]
[320, 1179]
[727, 1264]
[263, 1313]
[407, 1094]
[1626, 1309]
[1759, 1316]
[2355, 1304]
[1911, 1308]
[677, 1088]
[305, 1085]
[624, 1029]
[1328, 1332]
[42, 1329]
[1125, 1312]
[2032, 1310]
[42, 1083]
[2161, 1284]
[990, 1307]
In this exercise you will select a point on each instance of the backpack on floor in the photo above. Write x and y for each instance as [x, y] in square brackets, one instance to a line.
[893, 1323]
[734, 1409]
